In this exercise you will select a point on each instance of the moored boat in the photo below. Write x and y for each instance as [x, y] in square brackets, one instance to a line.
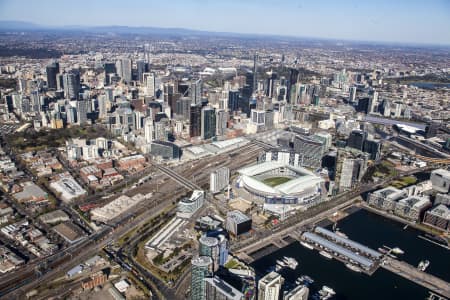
[306, 245]
[326, 254]
[353, 268]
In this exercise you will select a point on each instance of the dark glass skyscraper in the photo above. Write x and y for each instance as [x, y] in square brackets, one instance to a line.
[208, 129]
[195, 120]
[293, 79]
[233, 101]
[356, 139]
[141, 67]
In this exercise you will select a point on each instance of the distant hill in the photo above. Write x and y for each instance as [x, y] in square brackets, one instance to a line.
[19, 25]
[144, 30]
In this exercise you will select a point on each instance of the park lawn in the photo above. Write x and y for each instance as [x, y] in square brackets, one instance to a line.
[274, 181]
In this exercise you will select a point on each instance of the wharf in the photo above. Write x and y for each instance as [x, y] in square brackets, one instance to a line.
[343, 260]
[409, 272]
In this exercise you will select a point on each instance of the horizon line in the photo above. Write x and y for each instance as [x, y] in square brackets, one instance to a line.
[337, 39]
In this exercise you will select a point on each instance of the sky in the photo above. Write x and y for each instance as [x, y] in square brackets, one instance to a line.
[402, 21]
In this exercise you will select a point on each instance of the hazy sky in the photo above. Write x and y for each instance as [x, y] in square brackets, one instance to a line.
[415, 21]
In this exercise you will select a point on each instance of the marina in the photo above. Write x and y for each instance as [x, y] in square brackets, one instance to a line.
[395, 273]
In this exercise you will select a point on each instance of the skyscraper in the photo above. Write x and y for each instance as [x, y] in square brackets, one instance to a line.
[201, 268]
[217, 289]
[352, 96]
[123, 67]
[184, 107]
[255, 72]
[149, 80]
[196, 91]
[270, 83]
[71, 84]
[223, 250]
[195, 120]
[149, 130]
[103, 104]
[219, 179]
[310, 149]
[141, 67]
[356, 139]
[221, 121]
[293, 78]
[209, 246]
[110, 68]
[233, 100]
[208, 125]
[82, 110]
[269, 286]
[52, 70]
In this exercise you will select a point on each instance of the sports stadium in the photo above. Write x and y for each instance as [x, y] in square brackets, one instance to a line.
[278, 182]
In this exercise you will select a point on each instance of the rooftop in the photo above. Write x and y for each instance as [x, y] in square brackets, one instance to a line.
[441, 211]
[237, 216]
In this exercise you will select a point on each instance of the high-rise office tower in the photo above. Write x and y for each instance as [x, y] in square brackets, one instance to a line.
[209, 246]
[221, 122]
[71, 82]
[270, 83]
[82, 111]
[223, 249]
[310, 149]
[110, 68]
[219, 179]
[293, 78]
[149, 130]
[184, 108]
[195, 120]
[373, 147]
[249, 81]
[71, 114]
[374, 102]
[103, 104]
[123, 67]
[196, 91]
[35, 101]
[201, 268]
[255, 72]
[149, 80]
[218, 289]
[52, 71]
[356, 139]
[269, 286]
[141, 68]
[233, 101]
[208, 125]
[364, 105]
[352, 96]
[350, 172]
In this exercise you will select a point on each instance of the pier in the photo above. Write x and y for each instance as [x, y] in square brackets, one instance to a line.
[409, 272]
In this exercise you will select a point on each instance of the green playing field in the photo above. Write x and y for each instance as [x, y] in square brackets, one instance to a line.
[274, 181]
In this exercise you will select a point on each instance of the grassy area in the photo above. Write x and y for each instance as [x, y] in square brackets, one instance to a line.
[384, 169]
[404, 182]
[231, 264]
[274, 181]
[30, 139]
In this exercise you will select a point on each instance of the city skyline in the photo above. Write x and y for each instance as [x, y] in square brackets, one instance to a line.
[406, 22]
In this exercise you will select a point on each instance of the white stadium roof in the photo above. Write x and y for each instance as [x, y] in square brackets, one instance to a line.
[306, 180]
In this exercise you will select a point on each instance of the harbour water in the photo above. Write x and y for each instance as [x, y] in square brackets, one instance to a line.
[374, 231]
[429, 85]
